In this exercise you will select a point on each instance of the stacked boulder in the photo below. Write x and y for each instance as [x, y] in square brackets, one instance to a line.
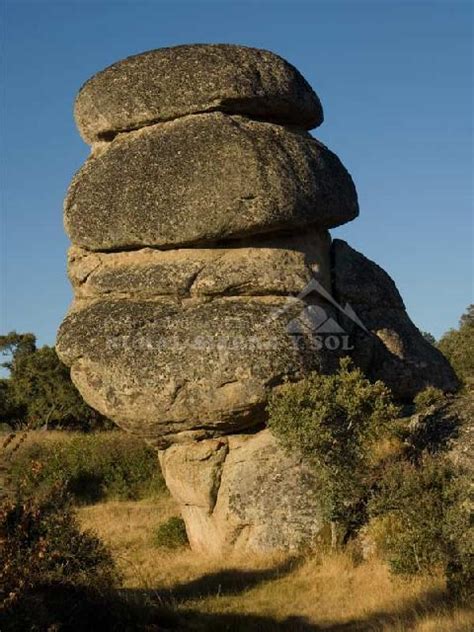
[204, 277]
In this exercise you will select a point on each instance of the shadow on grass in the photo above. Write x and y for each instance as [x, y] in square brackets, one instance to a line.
[186, 616]
[80, 611]
[404, 618]
[205, 622]
[229, 582]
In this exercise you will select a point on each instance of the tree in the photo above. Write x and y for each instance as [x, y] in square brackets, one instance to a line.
[17, 346]
[458, 346]
[39, 390]
[467, 319]
[429, 337]
[6, 407]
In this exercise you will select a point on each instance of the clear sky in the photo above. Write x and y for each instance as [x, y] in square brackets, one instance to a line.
[394, 79]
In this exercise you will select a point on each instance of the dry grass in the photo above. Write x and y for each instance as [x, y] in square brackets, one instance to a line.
[268, 593]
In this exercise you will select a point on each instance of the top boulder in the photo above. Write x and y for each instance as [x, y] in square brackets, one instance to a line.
[168, 83]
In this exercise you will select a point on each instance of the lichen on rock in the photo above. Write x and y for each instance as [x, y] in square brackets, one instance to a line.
[204, 278]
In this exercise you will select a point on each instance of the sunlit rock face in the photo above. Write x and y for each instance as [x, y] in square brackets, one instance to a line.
[204, 276]
[243, 492]
[169, 83]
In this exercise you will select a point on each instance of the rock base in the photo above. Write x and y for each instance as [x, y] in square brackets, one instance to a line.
[243, 493]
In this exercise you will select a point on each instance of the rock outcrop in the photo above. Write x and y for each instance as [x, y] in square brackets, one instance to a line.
[171, 369]
[201, 179]
[282, 265]
[168, 83]
[393, 350]
[204, 277]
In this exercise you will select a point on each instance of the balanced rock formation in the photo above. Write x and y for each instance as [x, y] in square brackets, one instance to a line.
[200, 179]
[168, 83]
[204, 276]
[278, 265]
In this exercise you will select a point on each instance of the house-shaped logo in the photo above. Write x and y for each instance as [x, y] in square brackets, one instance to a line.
[314, 317]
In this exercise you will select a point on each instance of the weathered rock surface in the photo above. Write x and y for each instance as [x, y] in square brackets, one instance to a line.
[395, 350]
[278, 266]
[202, 209]
[170, 369]
[205, 178]
[243, 493]
[169, 83]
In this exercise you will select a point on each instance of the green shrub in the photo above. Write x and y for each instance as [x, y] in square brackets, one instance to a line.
[91, 466]
[171, 534]
[420, 519]
[459, 534]
[332, 421]
[430, 396]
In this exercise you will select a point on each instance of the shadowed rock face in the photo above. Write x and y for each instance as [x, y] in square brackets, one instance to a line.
[205, 178]
[169, 83]
[394, 351]
[204, 277]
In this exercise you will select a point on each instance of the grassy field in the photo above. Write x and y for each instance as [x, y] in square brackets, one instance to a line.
[266, 594]
[194, 592]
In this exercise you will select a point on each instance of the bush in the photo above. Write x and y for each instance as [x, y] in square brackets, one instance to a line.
[53, 576]
[459, 534]
[333, 421]
[92, 467]
[81, 608]
[171, 534]
[44, 554]
[420, 519]
[430, 396]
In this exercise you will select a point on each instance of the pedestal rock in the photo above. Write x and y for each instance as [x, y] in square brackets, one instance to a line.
[204, 277]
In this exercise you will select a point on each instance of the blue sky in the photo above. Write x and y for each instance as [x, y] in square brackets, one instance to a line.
[394, 79]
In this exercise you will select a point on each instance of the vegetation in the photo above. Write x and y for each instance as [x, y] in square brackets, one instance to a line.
[171, 534]
[53, 574]
[422, 522]
[415, 499]
[429, 337]
[333, 421]
[91, 467]
[51, 570]
[430, 396]
[262, 593]
[458, 346]
[39, 391]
